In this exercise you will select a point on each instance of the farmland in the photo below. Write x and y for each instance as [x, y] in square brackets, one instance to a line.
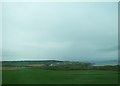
[57, 72]
[41, 76]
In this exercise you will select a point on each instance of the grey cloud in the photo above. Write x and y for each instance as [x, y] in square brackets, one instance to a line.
[115, 48]
[64, 31]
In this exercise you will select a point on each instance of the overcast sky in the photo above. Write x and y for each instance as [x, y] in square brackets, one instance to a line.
[60, 31]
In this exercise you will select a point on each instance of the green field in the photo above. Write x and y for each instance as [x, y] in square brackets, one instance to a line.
[40, 76]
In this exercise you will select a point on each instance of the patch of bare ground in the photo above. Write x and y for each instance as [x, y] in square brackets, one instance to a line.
[36, 65]
[9, 68]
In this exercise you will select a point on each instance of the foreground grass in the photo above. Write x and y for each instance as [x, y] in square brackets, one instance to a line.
[39, 76]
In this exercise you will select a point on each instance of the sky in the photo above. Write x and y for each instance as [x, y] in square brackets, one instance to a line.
[0, 32]
[79, 31]
[59, 0]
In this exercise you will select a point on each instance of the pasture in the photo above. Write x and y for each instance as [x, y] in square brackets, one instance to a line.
[41, 76]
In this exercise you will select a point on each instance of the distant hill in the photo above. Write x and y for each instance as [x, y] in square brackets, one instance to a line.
[59, 65]
[48, 63]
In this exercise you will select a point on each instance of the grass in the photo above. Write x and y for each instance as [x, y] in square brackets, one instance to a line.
[40, 76]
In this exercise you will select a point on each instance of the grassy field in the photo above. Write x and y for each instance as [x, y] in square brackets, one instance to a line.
[40, 76]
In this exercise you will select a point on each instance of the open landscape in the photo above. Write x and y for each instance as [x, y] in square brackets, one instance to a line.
[52, 42]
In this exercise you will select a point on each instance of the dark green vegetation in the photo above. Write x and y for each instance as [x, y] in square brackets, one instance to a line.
[58, 65]
[47, 63]
[57, 72]
[40, 76]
